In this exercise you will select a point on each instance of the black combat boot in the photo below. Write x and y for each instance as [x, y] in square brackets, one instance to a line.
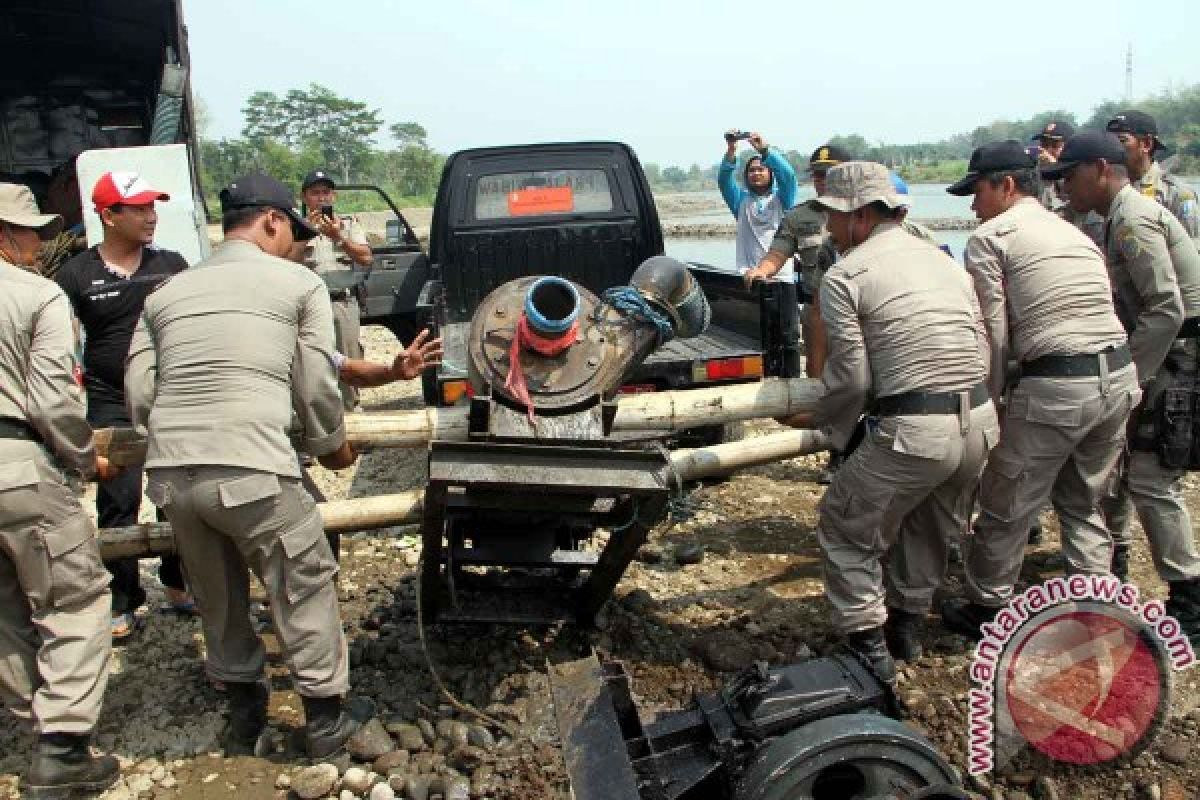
[1120, 561]
[331, 721]
[1183, 603]
[903, 634]
[966, 618]
[247, 717]
[872, 646]
[63, 764]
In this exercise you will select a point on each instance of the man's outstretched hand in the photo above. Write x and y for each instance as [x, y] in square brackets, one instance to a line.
[421, 354]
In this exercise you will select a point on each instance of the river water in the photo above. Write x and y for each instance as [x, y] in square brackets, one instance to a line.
[930, 200]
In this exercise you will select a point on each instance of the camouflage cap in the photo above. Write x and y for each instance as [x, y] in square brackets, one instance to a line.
[854, 184]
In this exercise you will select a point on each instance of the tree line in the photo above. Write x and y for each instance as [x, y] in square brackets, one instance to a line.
[301, 130]
[1177, 113]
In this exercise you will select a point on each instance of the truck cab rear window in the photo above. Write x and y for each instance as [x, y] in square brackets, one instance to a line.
[542, 193]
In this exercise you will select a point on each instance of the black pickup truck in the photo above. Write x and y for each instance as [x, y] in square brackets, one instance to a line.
[585, 212]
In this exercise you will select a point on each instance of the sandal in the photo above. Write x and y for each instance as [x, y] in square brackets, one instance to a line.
[124, 625]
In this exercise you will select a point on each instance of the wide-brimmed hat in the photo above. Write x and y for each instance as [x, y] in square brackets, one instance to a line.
[18, 207]
[854, 184]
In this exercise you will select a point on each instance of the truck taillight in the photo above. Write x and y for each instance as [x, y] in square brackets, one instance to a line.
[453, 391]
[724, 369]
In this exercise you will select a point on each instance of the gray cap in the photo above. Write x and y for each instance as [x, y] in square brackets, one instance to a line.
[851, 185]
[17, 207]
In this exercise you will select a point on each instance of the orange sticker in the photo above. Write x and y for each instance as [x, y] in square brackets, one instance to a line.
[541, 200]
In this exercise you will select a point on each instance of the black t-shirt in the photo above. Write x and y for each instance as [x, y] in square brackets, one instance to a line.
[108, 306]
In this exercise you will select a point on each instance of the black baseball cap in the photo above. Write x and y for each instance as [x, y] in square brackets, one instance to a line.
[1054, 129]
[1082, 148]
[1138, 123]
[257, 190]
[317, 176]
[1003, 156]
[828, 155]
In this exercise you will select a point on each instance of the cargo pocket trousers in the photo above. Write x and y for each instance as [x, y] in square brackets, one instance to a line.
[898, 499]
[228, 519]
[55, 605]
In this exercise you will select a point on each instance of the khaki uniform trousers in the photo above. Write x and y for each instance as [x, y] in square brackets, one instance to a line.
[1154, 491]
[346, 332]
[1062, 438]
[55, 607]
[911, 484]
[229, 518]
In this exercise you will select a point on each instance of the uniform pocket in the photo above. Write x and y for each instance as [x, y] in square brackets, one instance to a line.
[241, 491]
[998, 488]
[856, 515]
[308, 562]
[76, 572]
[923, 443]
[19, 501]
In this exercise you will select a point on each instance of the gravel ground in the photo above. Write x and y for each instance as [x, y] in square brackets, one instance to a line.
[679, 628]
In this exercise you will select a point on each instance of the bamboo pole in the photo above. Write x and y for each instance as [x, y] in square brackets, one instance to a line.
[359, 514]
[690, 408]
[702, 462]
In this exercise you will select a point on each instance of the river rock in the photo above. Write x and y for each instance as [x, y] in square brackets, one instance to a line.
[370, 741]
[479, 736]
[409, 737]
[427, 730]
[417, 787]
[382, 791]
[314, 782]
[454, 732]
[689, 553]
[397, 759]
[356, 780]
[1175, 751]
[457, 788]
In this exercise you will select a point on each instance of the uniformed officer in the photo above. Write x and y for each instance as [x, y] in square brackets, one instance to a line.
[54, 598]
[1138, 133]
[341, 245]
[1154, 268]
[1044, 293]
[224, 356]
[906, 343]
[1051, 139]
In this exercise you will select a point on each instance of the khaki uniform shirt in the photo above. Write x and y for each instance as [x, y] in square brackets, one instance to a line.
[1089, 223]
[900, 316]
[1155, 271]
[324, 255]
[802, 234]
[1043, 288]
[224, 354]
[38, 367]
[1170, 193]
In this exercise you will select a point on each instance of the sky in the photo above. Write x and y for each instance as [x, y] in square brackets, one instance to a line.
[669, 76]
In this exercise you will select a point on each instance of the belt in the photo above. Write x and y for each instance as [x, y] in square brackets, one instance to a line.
[1077, 366]
[339, 294]
[11, 428]
[898, 405]
[1190, 329]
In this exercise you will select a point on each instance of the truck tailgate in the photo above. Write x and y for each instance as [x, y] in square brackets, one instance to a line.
[716, 342]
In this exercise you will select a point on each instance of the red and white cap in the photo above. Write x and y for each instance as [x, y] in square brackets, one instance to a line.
[127, 188]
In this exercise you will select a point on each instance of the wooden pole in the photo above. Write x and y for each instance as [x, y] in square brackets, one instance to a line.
[702, 462]
[360, 514]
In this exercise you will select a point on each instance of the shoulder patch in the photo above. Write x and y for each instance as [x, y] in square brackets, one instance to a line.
[1128, 244]
[1150, 190]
